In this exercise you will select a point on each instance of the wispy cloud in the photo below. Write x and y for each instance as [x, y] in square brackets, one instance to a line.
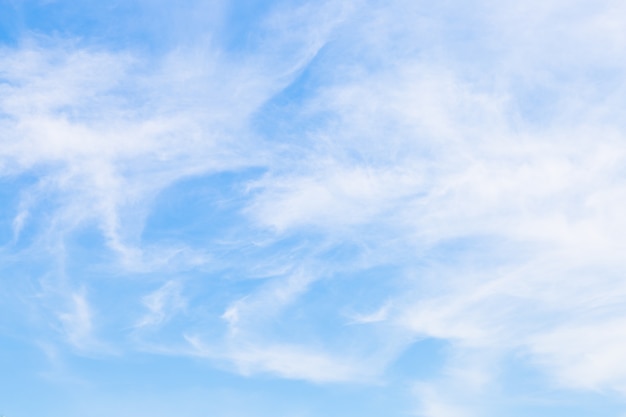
[76, 321]
[437, 156]
[283, 360]
[468, 157]
[162, 304]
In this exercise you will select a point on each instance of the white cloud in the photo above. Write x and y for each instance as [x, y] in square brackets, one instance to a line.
[283, 360]
[104, 132]
[77, 321]
[431, 153]
[162, 304]
[377, 316]
[432, 405]
[109, 131]
[266, 302]
[515, 146]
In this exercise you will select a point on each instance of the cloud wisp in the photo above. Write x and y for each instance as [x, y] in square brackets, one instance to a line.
[350, 181]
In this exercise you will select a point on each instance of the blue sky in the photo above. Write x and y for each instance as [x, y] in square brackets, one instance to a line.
[305, 209]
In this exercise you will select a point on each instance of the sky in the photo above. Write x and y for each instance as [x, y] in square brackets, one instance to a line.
[255, 208]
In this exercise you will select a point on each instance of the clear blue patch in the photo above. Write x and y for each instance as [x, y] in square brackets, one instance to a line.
[200, 210]
[422, 360]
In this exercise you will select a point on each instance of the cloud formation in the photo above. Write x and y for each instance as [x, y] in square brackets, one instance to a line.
[350, 181]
